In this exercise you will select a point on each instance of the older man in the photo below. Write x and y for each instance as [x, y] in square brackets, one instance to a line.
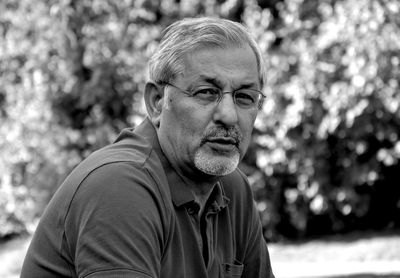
[166, 199]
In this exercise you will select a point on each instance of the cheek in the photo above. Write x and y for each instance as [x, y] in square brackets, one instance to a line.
[192, 118]
[186, 122]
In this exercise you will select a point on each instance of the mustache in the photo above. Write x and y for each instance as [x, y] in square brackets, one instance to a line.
[217, 132]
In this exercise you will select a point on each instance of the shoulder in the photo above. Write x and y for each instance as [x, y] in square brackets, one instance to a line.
[120, 178]
[117, 190]
[118, 197]
[117, 177]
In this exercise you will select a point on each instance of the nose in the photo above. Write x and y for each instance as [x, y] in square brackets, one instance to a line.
[226, 111]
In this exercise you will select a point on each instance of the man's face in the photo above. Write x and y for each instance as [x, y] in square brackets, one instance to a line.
[209, 139]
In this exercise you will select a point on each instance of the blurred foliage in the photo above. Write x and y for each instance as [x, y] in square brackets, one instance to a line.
[326, 147]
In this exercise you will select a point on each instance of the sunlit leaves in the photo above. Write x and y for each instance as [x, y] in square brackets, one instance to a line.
[335, 116]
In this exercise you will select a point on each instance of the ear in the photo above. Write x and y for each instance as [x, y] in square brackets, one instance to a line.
[153, 98]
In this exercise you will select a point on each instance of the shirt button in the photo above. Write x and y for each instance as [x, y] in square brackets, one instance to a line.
[191, 211]
[215, 207]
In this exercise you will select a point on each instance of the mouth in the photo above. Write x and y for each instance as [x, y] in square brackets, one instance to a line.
[223, 140]
[222, 144]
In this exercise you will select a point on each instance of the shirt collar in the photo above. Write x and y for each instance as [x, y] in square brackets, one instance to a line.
[218, 199]
[180, 190]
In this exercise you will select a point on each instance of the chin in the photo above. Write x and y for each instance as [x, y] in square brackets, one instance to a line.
[216, 165]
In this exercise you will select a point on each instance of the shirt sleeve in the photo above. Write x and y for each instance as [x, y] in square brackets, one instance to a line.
[115, 224]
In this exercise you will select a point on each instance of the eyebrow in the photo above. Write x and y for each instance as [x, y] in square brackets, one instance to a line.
[212, 80]
[217, 83]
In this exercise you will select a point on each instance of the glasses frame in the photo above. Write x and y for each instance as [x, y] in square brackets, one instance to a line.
[259, 105]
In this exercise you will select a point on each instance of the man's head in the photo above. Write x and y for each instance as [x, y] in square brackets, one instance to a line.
[186, 35]
[204, 94]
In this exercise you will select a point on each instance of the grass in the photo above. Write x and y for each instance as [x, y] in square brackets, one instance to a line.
[12, 253]
[356, 255]
[355, 247]
[366, 276]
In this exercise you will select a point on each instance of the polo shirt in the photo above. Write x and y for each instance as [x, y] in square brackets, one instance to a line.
[125, 212]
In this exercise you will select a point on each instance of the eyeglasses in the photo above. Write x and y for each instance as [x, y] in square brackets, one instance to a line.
[244, 98]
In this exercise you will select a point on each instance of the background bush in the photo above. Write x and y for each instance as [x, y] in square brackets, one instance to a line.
[325, 152]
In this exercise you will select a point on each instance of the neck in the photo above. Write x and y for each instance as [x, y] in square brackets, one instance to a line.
[200, 184]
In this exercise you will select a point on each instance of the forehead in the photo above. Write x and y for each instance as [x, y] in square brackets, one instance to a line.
[228, 66]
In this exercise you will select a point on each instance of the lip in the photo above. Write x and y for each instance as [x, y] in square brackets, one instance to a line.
[225, 145]
[222, 140]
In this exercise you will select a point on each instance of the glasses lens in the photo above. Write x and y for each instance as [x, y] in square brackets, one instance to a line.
[207, 95]
[247, 98]
[244, 98]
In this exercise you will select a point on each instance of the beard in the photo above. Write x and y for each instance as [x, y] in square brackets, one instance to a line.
[215, 163]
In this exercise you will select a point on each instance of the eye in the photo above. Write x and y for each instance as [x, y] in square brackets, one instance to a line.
[246, 97]
[206, 94]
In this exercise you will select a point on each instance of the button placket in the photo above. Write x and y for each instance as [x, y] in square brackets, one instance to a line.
[192, 210]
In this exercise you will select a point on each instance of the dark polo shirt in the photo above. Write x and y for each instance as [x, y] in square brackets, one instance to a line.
[124, 212]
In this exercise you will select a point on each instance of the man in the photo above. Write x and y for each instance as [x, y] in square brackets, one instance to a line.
[166, 199]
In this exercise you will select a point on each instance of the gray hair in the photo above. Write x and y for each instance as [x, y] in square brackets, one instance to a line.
[188, 34]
